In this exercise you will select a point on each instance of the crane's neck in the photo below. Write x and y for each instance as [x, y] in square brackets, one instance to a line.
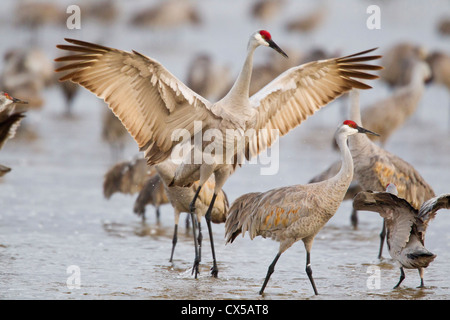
[358, 143]
[239, 93]
[345, 174]
[418, 76]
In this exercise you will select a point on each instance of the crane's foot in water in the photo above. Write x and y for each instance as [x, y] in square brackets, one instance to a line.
[195, 270]
[214, 271]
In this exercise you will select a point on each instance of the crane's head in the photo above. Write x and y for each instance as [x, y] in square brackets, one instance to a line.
[263, 38]
[351, 127]
[6, 99]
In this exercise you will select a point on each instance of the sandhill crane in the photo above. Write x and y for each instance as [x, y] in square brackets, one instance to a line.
[389, 114]
[104, 11]
[166, 14]
[308, 22]
[443, 26]
[36, 14]
[113, 133]
[376, 167]
[69, 91]
[207, 78]
[440, 69]
[294, 213]
[398, 62]
[353, 189]
[180, 198]
[152, 104]
[26, 72]
[406, 226]
[11, 114]
[152, 192]
[131, 177]
[266, 10]
[127, 177]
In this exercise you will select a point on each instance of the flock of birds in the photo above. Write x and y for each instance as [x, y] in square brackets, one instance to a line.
[151, 103]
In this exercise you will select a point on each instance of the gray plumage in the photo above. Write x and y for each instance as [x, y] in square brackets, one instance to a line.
[126, 177]
[12, 111]
[293, 213]
[152, 103]
[389, 114]
[180, 198]
[152, 193]
[131, 177]
[375, 168]
[405, 225]
[353, 189]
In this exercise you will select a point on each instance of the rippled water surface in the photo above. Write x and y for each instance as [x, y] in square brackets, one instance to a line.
[53, 215]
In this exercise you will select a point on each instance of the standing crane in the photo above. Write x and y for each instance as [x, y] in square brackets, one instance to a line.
[294, 213]
[439, 62]
[376, 167]
[353, 189]
[406, 226]
[389, 114]
[152, 104]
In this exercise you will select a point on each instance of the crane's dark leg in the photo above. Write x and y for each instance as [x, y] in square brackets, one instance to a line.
[188, 226]
[354, 219]
[174, 241]
[214, 269]
[421, 277]
[194, 229]
[309, 272]
[199, 241]
[269, 272]
[157, 215]
[382, 237]
[197, 258]
[402, 277]
[192, 204]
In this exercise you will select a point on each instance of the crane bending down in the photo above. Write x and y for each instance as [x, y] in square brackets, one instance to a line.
[376, 167]
[294, 213]
[406, 226]
[180, 198]
[152, 104]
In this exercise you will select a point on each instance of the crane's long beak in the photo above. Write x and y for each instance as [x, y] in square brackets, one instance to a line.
[15, 100]
[362, 130]
[274, 46]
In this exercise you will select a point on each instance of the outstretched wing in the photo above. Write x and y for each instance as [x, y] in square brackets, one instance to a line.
[300, 91]
[429, 209]
[148, 99]
[399, 215]
[8, 127]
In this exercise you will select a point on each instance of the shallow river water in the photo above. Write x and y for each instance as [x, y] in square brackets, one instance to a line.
[56, 227]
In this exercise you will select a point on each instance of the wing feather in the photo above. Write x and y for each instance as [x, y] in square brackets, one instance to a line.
[430, 207]
[300, 91]
[149, 101]
[399, 215]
